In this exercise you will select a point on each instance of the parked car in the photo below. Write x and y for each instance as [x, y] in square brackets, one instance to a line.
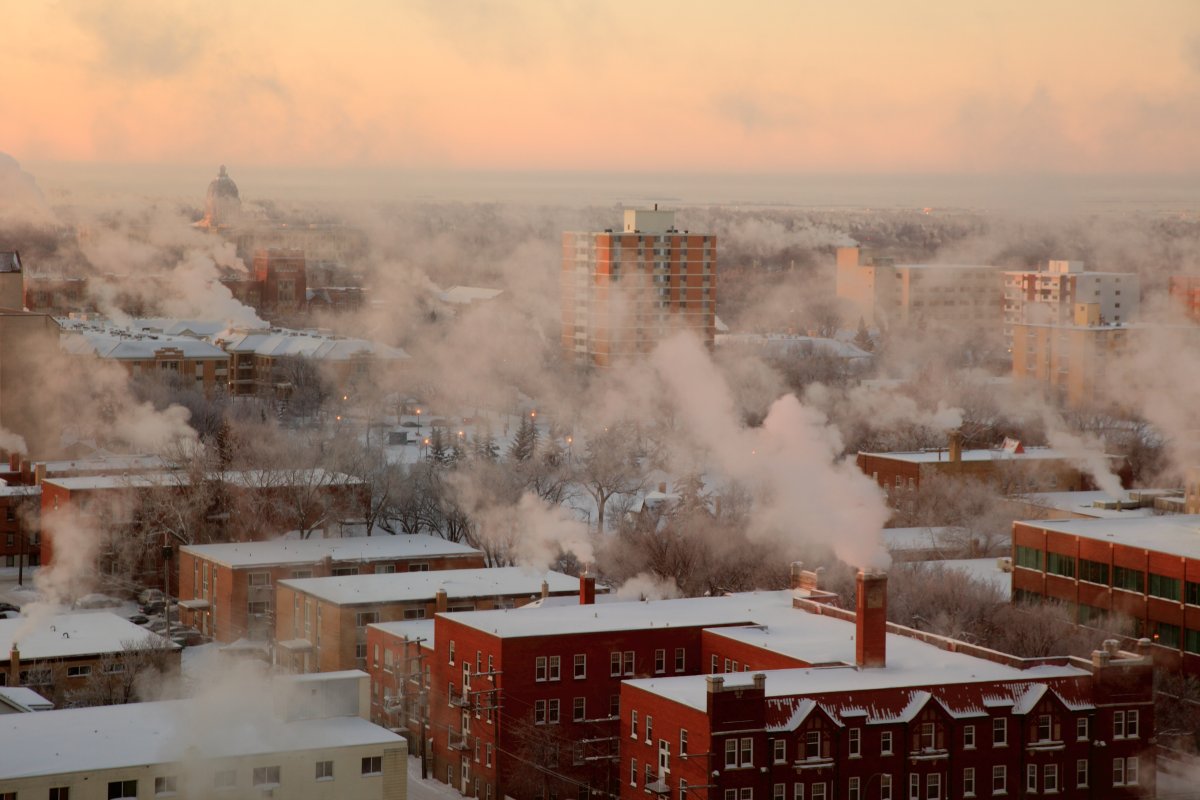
[139, 619]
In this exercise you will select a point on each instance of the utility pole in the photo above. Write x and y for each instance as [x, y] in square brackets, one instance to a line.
[166, 555]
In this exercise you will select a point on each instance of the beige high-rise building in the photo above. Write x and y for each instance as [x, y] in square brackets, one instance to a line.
[623, 292]
[962, 297]
[1050, 295]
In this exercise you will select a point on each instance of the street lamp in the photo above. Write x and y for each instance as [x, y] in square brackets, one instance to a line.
[570, 441]
[418, 422]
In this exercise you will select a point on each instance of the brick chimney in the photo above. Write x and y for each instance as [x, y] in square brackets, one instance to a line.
[14, 666]
[545, 589]
[440, 602]
[870, 636]
[587, 589]
[14, 462]
[955, 447]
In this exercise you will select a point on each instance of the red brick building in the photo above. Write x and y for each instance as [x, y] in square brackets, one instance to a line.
[227, 591]
[1145, 570]
[625, 698]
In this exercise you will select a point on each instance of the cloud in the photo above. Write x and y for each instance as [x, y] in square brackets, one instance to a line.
[751, 113]
[146, 39]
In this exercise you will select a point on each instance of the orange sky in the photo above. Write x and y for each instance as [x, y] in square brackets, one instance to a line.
[660, 85]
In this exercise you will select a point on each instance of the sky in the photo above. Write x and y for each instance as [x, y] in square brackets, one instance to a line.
[861, 86]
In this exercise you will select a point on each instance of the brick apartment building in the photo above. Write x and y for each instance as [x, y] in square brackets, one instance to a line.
[655, 697]
[1050, 295]
[1145, 570]
[227, 590]
[622, 293]
[1012, 469]
[61, 653]
[321, 623]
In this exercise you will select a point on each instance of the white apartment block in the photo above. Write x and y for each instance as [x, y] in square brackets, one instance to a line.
[1048, 297]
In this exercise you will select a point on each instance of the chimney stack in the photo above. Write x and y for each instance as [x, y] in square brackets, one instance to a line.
[797, 575]
[870, 637]
[14, 666]
[955, 447]
[545, 590]
[14, 462]
[587, 589]
[440, 602]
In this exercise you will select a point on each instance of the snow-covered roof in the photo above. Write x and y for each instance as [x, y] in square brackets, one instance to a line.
[465, 295]
[412, 629]
[124, 346]
[20, 491]
[279, 552]
[277, 343]
[107, 463]
[255, 478]
[84, 740]
[1176, 535]
[72, 635]
[943, 455]
[986, 570]
[24, 699]
[1084, 504]
[402, 587]
[921, 538]
[200, 328]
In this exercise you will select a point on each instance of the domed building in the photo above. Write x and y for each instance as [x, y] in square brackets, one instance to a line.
[222, 204]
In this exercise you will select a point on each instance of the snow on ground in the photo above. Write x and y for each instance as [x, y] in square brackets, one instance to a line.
[428, 789]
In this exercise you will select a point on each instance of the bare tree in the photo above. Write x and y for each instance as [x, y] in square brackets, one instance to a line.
[610, 467]
[136, 673]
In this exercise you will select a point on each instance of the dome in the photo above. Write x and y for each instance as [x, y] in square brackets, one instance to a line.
[222, 185]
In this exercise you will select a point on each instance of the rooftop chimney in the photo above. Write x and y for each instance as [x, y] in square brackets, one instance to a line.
[545, 590]
[14, 666]
[587, 589]
[870, 637]
[14, 462]
[439, 601]
[39, 474]
[955, 447]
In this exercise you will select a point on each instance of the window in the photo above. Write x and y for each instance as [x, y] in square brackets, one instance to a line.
[1118, 774]
[118, 790]
[451, 651]
[969, 782]
[1131, 724]
[418, 566]
[664, 757]
[259, 578]
[372, 765]
[1191, 593]
[999, 732]
[1059, 564]
[385, 569]
[539, 669]
[1081, 729]
[660, 661]
[614, 706]
[747, 751]
[914, 786]
[1133, 580]
[713, 665]
[579, 709]
[324, 770]
[731, 753]
[855, 742]
[264, 776]
[614, 663]
[1029, 557]
[164, 785]
[854, 790]
[1167, 635]
[57, 793]
[812, 744]
[79, 671]
[683, 789]
[1093, 572]
[539, 712]
[746, 793]
[1031, 771]
[1044, 728]
[414, 613]
[680, 659]
[818, 791]
[341, 572]
[969, 737]
[1118, 724]
[779, 751]
[225, 779]
[555, 667]
[580, 666]
[885, 743]
[633, 724]
[628, 657]
[1081, 773]
[928, 736]
[633, 772]
[649, 729]
[1164, 587]
[1050, 778]
[933, 786]
[999, 779]
[301, 573]
[885, 787]
[779, 791]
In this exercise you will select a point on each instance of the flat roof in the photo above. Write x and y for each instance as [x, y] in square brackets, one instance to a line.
[279, 552]
[1174, 534]
[254, 479]
[410, 629]
[943, 455]
[72, 635]
[1084, 503]
[413, 586]
[82, 740]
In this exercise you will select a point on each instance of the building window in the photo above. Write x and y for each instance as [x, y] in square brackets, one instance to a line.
[649, 729]
[265, 776]
[969, 782]
[225, 779]
[1081, 729]
[539, 669]
[1132, 580]
[633, 724]
[928, 736]
[555, 667]
[324, 770]
[731, 753]
[779, 751]
[1093, 572]
[1044, 726]
[999, 779]
[660, 661]
[633, 772]
[968, 737]
[1081, 773]
[812, 744]
[614, 663]
[539, 712]
[164, 786]
[80, 671]
[385, 569]
[854, 789]
[580, 666]
[1164, 587]
[614, 706]
[1059, 564]
[1031, 771]
[885, 743]
[341, 572]
[1029, 557]
[680, 659]
[746, 793]
[933, 786]
[552, 712]
[56, 793]
[747, 751]
[855, 742]
[628, 656]
[1167, 635]
[885, 787]
[1050, 779]
[259, 578]
[664, 757]
[914, 786]
[999, 732]
[372, 765]
[714, 664]
[580, 709]
[121, 790]
[683, 741]
[779, 791]
[452, 651]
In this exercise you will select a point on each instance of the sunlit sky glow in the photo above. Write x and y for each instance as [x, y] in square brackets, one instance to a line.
[1092, 86]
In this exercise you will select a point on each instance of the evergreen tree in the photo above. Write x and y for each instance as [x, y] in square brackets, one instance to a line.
[484, 443]
[438, 453]
[863, 338]
[524, 444]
